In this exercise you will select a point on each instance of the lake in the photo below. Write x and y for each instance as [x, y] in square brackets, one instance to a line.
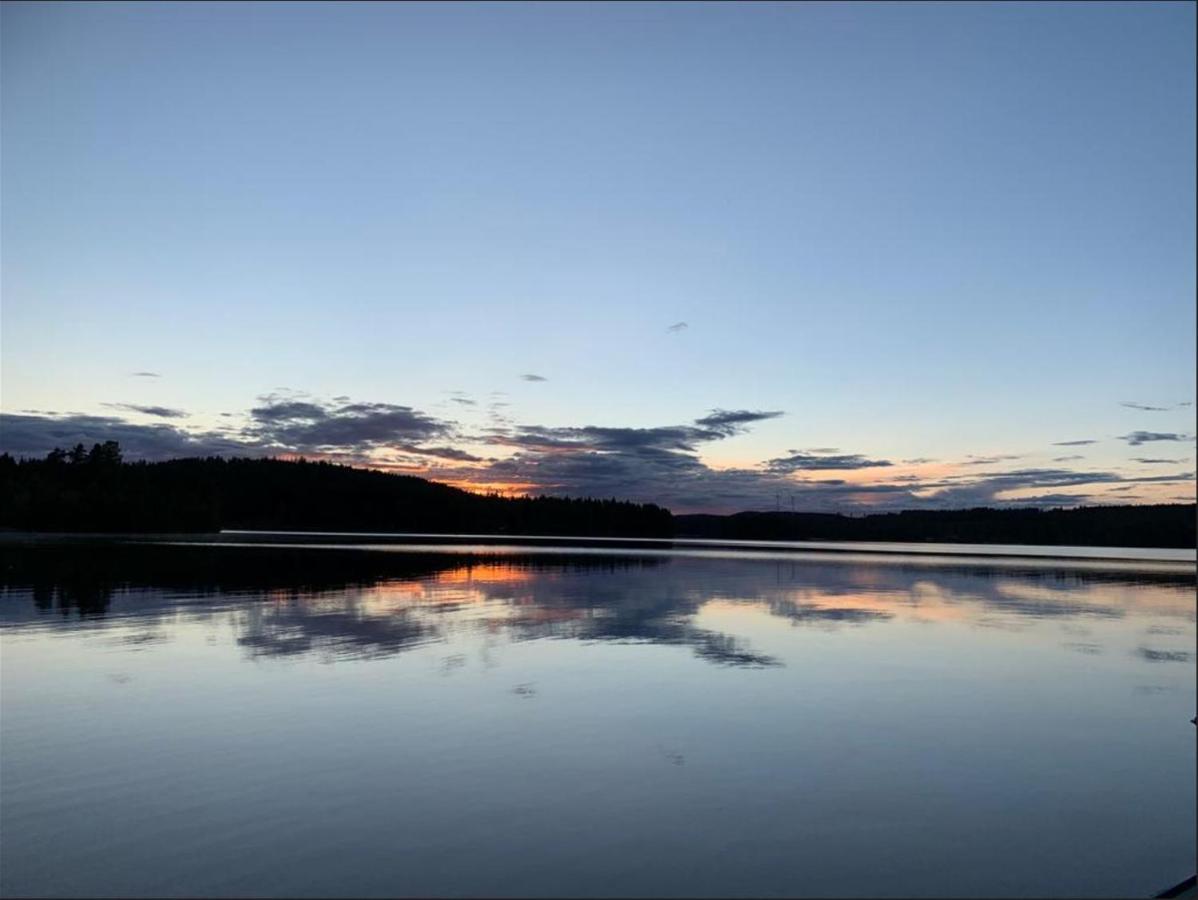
[354, 717]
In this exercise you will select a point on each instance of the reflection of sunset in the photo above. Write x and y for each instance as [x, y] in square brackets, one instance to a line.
[467, 585]
[486, 573]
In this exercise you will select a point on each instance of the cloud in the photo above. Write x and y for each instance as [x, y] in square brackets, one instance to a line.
[305, 426]
[1084, 443]
[145, 375]
[1163, 656]
[1136, 438]
[288, 411]
[677, 327]
[452, 453]
[1143, 406]
[24, 435]
[965, 491]
[1067, 458]
[727, 422]
[1157, 462]
[529, 376]
[660, 464]
[465, 401]
[1147, 408]
[163, 412]
[811, 461]
[989, 460]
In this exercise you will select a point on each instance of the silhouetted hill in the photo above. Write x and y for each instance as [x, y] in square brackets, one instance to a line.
[96, 492]
[1163, 525]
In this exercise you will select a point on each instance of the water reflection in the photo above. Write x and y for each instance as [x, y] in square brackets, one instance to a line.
[329, 722]
[347, 603]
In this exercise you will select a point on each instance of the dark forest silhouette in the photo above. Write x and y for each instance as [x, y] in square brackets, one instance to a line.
[94, 490]
[1161, 525]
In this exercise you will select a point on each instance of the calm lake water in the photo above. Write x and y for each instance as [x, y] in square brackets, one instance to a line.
[447, 720]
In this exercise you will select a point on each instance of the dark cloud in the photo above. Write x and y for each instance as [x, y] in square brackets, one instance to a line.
[1158, 656]
[1067, 458]
[529, 376]
[145, 375]
[959, 491]
[810, 461]
[452, 453]
[727, 422]
[1136, 438]
[162, 412]
[306, 426]
[677, 327]
[38, 435]
[1157, 462]
[288, 411]
[1074, 443]
[465, 401]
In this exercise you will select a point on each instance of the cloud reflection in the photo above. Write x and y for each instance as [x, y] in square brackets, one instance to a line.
[349, 603]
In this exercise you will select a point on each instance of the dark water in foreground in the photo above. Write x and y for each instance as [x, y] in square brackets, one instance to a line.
[286, 722]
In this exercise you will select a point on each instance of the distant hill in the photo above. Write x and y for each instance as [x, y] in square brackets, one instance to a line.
[1164, 525]
[96, 492]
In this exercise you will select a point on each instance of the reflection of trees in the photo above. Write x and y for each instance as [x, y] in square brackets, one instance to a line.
[347, 602]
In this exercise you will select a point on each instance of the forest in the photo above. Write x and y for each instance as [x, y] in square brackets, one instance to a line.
[1162, 525]
[96, 491]
[81, 490]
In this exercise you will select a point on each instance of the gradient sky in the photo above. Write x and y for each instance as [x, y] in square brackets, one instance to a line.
[944, 232]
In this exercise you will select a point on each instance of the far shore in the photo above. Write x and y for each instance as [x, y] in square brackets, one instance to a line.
[455, 542]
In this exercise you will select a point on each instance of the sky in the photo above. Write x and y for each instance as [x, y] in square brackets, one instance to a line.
[842, 256]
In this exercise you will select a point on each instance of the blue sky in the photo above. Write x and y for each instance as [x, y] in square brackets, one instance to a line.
[918, 231]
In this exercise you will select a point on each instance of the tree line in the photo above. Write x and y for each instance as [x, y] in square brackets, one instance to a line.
[97, 491]
[1161, 525]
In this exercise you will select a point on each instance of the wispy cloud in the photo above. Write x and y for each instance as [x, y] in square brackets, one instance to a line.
[677, 327]
[990, 460]
[1067, 458]
[1145, 407]
[1136, 438]
[727, 422]
[162, 412]
[529, 376]
[145, 375]
[1082, 443]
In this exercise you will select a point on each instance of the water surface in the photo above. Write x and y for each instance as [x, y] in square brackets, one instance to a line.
[473, 719]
